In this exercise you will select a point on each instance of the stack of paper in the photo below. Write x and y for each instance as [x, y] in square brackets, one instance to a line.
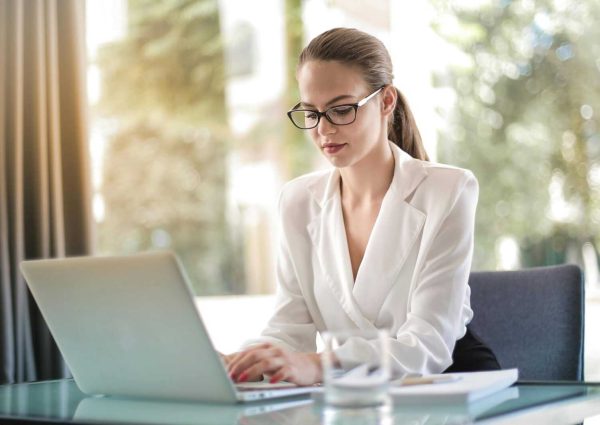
[466, 387]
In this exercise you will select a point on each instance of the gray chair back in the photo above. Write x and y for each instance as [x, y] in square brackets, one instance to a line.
[532, 319]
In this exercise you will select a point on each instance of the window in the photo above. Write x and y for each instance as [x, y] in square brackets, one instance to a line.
[191, 145]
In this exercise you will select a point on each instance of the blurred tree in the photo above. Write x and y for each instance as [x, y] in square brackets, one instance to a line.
[170, 64]
[526, 121]
[165, 163]
[299, 151]
[275, 137]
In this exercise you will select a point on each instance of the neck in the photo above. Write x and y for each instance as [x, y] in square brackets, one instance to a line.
[369, 179]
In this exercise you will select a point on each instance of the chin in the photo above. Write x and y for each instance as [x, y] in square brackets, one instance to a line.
[339, 162]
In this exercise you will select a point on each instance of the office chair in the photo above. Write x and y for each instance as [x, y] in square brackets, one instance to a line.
[532, 319]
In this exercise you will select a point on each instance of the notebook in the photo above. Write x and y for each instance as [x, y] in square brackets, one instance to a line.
[128, 326]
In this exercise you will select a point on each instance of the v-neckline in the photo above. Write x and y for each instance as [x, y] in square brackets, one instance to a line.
[346, 244]
[396, 230]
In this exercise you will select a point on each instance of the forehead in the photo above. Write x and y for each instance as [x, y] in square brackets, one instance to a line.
[321, 81]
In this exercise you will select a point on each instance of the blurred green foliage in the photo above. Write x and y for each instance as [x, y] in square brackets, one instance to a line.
[169, 65]
[299, 151]
[165, 176]
[526, 122]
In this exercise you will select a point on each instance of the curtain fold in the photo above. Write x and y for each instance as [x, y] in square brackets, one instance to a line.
[45, 191]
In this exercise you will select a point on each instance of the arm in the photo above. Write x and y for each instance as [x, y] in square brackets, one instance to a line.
[286, 348]
[291, 325]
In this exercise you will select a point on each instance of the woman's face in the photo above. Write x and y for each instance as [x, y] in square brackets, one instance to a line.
[324, 84]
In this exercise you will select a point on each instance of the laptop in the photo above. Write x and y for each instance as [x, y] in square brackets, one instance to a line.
[128, 326]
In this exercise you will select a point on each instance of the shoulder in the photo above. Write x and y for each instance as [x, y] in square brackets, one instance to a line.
[417, 178]
[445, 176]
[299, 201]
[443, 186]
[303, 190]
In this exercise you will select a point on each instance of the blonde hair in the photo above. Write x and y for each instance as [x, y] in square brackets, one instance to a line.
[356, 48]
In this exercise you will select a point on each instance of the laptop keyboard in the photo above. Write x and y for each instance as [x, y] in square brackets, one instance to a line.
[257, 386]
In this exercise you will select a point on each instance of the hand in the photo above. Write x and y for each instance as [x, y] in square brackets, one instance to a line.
[276, 362]
[226, 357]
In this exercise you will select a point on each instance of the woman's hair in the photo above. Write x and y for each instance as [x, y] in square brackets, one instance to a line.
[369, 55]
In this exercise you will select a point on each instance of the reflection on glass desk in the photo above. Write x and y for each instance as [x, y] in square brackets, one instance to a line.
[61, 401]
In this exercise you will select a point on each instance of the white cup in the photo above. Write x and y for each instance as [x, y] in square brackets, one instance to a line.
[356, 368]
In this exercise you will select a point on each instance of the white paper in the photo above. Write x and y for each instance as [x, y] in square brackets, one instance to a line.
[470, 387]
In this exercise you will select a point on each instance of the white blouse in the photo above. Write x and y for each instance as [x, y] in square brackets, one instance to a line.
[413, 276]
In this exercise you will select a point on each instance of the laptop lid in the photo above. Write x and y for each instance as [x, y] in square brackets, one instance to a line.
[129, 326]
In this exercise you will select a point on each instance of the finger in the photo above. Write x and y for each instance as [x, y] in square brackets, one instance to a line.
[248, 359]
[251, 356]
[267, 365]
[283, 374]
[242, 362]
[239, 358]
[234, 358]
[230, 358]
[262, 368]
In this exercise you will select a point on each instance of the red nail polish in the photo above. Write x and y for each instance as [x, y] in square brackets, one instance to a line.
[243, 377]
[273, 380]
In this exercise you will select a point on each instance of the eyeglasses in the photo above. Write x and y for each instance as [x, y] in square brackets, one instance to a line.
[306, 119]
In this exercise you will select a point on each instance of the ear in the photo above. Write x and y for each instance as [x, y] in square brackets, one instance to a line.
[389, 97]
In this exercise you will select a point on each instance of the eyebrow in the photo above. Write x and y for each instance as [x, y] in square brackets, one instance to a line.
[335, 99]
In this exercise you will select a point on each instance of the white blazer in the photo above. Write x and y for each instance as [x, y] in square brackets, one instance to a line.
[413, 276]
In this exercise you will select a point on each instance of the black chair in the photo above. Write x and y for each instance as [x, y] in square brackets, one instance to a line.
[532, 319]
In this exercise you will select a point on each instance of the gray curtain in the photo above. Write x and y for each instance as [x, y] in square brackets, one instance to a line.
[44, 168]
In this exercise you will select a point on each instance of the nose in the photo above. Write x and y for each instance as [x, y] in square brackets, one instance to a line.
[325, 127]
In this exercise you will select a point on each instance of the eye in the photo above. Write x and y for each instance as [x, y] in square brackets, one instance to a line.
[310, 115]
[341, 110]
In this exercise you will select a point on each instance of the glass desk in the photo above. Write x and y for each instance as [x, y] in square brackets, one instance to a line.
[61, 401]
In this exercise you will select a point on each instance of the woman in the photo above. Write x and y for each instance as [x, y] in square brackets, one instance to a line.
[384, 240]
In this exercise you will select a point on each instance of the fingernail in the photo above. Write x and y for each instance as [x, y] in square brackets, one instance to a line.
[232, 375]
[243, 377]
[273, 380]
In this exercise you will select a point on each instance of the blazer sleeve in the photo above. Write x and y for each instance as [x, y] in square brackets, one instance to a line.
[436, 313]
[291, 324]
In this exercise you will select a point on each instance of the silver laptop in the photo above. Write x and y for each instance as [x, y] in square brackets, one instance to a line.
[128, 326]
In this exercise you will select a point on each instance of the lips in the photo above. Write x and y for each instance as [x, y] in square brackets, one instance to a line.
[332, 148]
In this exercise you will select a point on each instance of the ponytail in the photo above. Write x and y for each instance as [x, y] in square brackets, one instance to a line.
[403, 131]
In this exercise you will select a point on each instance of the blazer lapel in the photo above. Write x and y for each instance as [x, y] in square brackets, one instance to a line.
[329, 239]
[396, 229]
[394, 234]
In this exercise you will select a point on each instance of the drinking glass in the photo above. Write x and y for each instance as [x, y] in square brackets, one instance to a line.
[356, 368]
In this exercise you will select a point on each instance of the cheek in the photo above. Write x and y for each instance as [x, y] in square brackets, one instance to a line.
[368, 125]
[314, 135]
[363, 129]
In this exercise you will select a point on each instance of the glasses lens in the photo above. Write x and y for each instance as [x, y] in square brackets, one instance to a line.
[305, 119]
[342, 115]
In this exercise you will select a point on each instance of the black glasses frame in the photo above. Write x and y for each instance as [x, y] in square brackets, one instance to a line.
[325, 112]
